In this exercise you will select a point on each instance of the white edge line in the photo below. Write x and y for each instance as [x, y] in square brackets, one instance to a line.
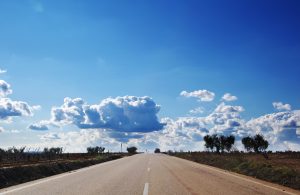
[246, 179]
[146, 188]
[250, 180]
[44, 180]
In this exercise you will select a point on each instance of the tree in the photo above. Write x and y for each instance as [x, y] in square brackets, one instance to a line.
[229, 143]
[216, 142]
[260, 144]
[248, 143]
[157, 150]
[95, 150]
[132, 150]
[220, 143]
[257, 143]
[209, 144]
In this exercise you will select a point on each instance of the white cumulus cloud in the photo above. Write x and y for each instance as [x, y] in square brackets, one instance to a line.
[124, 114]
[10, 108]
[229, 98]
[201, 95]
[282, 107]
[41, 126]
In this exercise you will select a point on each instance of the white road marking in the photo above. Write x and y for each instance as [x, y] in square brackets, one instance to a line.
[44, 180]
[243, 178]
[33, 184]
[148, 169]
[146, 188]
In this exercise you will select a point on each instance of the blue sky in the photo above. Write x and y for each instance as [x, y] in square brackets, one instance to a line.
[99, 49]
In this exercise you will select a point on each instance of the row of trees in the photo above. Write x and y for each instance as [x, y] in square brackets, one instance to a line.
[24, 154]
[53, 150]
[14, 150]
[220, 143]
[95, 150]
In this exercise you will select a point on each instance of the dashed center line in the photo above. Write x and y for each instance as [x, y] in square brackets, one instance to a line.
[146, 188]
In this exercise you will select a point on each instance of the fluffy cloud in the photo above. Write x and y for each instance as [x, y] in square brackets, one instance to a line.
[276, 126]
[10, 108]
[281, 107]
[282, 129]
[201, 95]
[229, 98]
[37, 107]
[223, 108]
[38, 126]
[123, 114]
[180, 134]
[4, 88]
[133, 121]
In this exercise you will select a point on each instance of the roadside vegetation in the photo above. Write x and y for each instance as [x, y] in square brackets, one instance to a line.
[132, 150]
[278, 167]
[19, 165]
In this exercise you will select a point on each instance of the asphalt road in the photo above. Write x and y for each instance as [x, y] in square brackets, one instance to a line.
[153, 174]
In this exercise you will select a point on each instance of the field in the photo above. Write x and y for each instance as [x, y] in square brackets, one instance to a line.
[282, 167]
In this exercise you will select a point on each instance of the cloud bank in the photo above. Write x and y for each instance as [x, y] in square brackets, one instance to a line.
[123, 114]
[133, 121]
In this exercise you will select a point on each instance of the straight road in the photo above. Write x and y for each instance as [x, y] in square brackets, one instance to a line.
[145, 174]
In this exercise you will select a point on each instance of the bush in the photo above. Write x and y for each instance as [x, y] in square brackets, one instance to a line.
[157, 150]
[132, 150]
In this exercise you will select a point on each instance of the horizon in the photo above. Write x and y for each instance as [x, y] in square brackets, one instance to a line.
[148, 74]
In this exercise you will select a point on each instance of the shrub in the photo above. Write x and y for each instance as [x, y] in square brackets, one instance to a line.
[132, 150]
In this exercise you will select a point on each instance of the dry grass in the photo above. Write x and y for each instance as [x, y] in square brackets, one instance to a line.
[21, 173]
[282, 168]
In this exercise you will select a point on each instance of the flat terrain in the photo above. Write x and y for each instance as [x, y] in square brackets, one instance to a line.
[281, 167]
[148, 174]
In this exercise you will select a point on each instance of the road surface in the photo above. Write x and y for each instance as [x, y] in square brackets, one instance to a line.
[144, 174]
